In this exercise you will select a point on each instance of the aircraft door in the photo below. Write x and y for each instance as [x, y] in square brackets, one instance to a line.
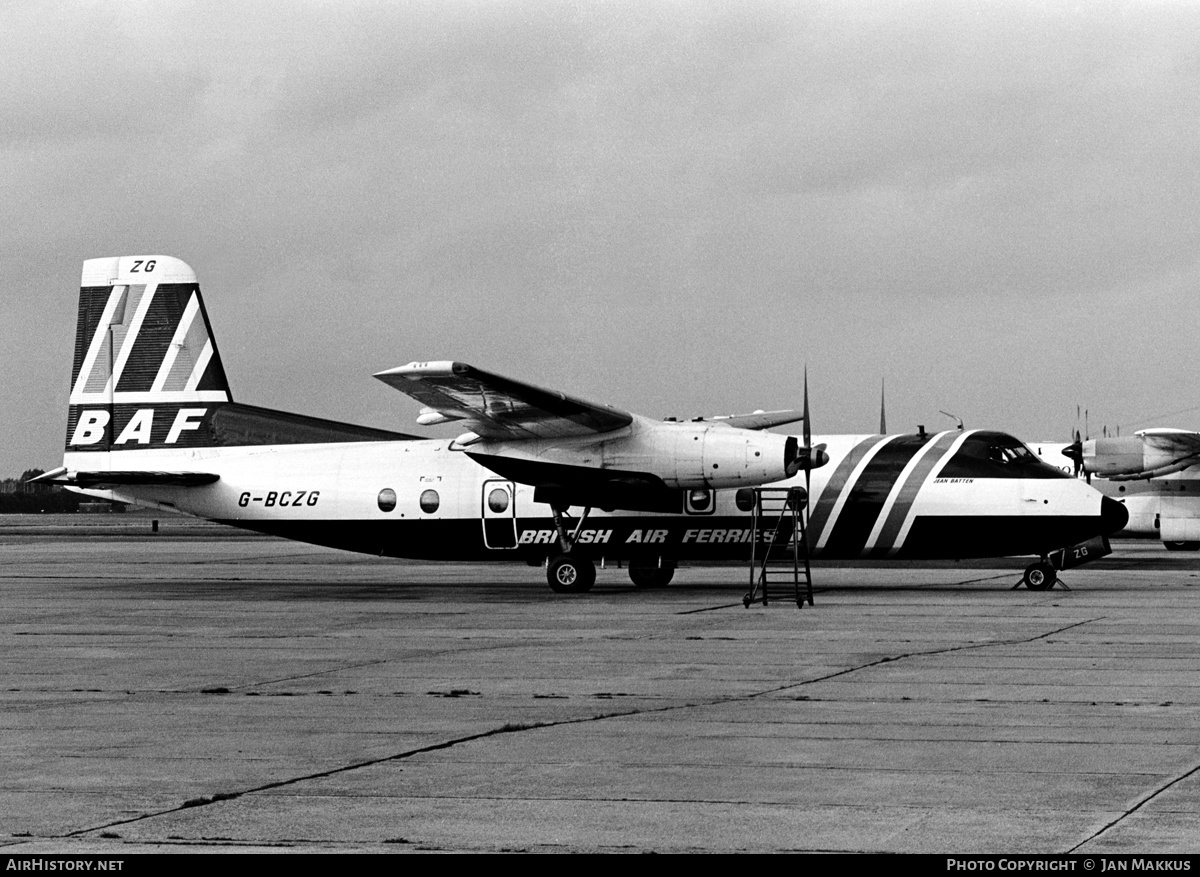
[499, 514]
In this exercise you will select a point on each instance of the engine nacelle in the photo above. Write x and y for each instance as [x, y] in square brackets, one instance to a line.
[685, 455]
[1124, 455]
[1141, 456]
[700, 454]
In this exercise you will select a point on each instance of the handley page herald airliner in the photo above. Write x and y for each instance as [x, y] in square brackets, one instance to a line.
[152, 422]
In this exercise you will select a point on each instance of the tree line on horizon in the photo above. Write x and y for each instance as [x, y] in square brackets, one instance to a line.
[18, 496]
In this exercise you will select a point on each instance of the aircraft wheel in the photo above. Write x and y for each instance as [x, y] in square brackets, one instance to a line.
[568, 574]
[1039, 576]
[651, 576]
[1182, 546]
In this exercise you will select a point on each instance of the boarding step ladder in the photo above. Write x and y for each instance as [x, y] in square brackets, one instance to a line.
[781, 512]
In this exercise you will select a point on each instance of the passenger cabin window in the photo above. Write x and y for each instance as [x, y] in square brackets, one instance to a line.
[498, 500]
[387, 499]
[430, 501]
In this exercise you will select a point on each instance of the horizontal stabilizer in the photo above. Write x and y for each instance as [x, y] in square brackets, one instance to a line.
[118, 479]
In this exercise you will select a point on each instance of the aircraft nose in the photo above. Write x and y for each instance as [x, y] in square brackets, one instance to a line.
[1113, 515]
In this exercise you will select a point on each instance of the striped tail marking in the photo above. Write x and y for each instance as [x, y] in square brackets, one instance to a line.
[144, 348]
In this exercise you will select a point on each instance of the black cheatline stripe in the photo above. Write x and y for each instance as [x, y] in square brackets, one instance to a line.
[867, 496]
[908, 493]
[819, 516]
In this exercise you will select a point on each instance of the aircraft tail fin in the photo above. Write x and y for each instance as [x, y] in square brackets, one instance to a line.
[146, 371]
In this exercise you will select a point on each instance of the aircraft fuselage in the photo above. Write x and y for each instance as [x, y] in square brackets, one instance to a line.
[914, 496]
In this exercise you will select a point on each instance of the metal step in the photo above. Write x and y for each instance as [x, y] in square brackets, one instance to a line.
[774, 509]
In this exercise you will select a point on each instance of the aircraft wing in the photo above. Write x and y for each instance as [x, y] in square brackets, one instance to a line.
[1177, 442]
[1174, 449]
[759, 419]
[496, 407]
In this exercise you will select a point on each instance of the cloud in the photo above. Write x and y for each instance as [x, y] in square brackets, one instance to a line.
[667, 206]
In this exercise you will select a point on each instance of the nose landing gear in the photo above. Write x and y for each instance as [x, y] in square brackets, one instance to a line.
[1043, 575]
[1040, 576]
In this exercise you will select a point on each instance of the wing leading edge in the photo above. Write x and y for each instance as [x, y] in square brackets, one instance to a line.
[759, 419]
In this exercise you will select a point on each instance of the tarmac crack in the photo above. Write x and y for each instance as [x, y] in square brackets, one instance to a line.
[510, 728]
[1136, 807]
[925, 654]
[338, 669]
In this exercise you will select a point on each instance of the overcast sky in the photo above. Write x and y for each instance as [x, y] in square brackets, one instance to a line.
[670, 207]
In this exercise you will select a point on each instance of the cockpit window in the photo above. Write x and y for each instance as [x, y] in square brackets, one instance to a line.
[997, 455]
[1005, 454]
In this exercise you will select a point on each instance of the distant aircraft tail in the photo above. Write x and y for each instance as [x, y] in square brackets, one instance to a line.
[147, 373]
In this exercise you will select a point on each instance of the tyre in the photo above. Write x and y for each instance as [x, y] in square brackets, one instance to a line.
[1039, 577]
[651, 576]
[568, 574]
[1182, 546]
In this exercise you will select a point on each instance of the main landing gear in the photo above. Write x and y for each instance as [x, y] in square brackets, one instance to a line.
[649, 574]
[568, 573]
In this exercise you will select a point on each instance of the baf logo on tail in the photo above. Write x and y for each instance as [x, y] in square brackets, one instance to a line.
[146, 372]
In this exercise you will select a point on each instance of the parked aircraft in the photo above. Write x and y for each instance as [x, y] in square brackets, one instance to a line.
[539, 475]
[1154, 473]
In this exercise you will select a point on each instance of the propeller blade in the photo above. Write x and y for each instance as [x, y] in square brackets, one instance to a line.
[882, 408]
[807, 446]
[807, 424]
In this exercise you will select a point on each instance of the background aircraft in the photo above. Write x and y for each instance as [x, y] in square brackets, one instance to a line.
[1154, 473]
[540, 476]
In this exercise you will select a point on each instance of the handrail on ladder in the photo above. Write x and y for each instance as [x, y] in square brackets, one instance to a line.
[791, 500]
